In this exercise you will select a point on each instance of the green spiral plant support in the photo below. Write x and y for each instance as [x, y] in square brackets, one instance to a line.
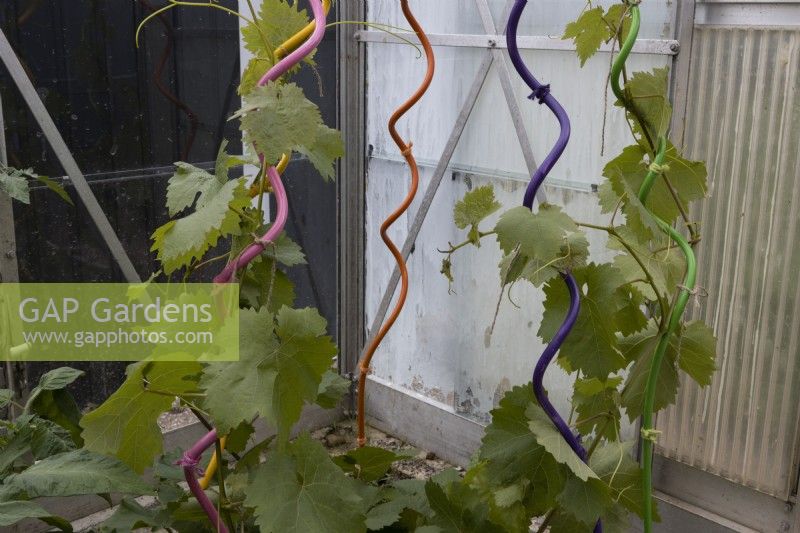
[685, 290]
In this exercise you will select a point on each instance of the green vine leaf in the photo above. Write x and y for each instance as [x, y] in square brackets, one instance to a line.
[588, 33]
[640, 348]
[666, 265]
[279, 119]
[275, 375]
[592, 346]
[458, 508]
[258, 288]
[277, 20]
[585, 500]
[648, 92]
[511, 452]
[45, 438]
[332, 389]
[190, 183]
[126, 424]
[697, 349]
[131, 516]
[180, 242]
[16, 184]
[476, 205]
[597, 406]
[615, 465]
[325, 150]
[619, 189]
[548, 436]
[12, 512]
[539, 245]
[693, 349]
[75, 473]
[368, 463]
[302, 490]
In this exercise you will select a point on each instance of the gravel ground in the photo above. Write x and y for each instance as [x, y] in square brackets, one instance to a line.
[341, 437]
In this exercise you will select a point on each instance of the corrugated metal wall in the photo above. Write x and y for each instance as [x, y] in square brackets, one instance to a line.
[744, 119]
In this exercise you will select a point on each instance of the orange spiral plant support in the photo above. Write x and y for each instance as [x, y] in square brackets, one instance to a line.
[405, 149]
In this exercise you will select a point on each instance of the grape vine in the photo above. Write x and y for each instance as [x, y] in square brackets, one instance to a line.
[626, 348]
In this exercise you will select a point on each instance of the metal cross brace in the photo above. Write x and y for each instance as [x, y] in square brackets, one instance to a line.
[31, 97]
[496, 57]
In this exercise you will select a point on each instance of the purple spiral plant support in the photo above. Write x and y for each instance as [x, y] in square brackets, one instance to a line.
[541, 93]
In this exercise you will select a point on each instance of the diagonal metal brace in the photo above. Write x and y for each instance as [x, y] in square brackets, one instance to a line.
[62, 152]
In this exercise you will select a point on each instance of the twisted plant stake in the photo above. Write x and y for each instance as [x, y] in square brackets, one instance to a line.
[542, 94]
[191, 458]
[405, 149]
[685, 290]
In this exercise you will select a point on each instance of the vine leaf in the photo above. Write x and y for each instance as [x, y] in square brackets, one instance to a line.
[621, 173]
[75, 473]
[392, 500]
[275, 374]
[592, 346]
[693, 348]
[665, 266]
[588, 33]
[538, 245]
[257, 288]
[585, 500]
[368, 463]
[12, 512]
[471, 210]
[190, 183]
[613, 462]
[279, 119]
[648, 92]
[277, 21]
[126, 424]
[511, 453]
[45, 438]
[597, 406]
[325, 150]
[640, 348]
[302, 490]
[16, 184]
[548, 436]
[332, 389]
[458, 507]
[179, 242]
[130, 516]
[55, 379]
[697, 348]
